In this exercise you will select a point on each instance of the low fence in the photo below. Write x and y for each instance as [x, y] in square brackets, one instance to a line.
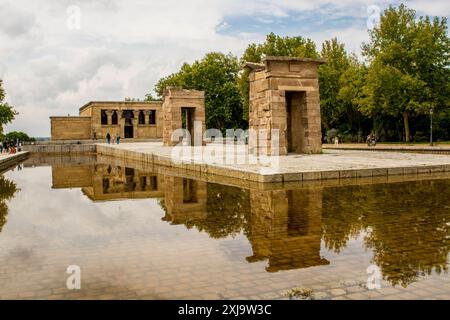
[444, 149]
[60, 148]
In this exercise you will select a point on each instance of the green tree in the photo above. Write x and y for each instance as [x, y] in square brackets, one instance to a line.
[273, 46]
[409, 66]
[7, 112]
[18, 135]
[329, 77]
[150, 97]
[216, 74]
[352, 81]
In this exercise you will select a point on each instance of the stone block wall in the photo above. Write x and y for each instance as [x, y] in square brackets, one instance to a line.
[74, 176]
[70, 128]
[174, 100]
[89, 123]
[275, 84]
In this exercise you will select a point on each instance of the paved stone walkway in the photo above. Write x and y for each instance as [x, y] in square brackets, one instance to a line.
[331, 164]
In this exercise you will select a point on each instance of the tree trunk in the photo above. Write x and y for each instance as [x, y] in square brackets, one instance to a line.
[406, 124]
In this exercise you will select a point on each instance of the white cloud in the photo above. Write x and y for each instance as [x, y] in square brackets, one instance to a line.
[15, 22]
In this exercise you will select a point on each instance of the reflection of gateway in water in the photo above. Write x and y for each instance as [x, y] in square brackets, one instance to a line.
[282, 226]
[287, 227]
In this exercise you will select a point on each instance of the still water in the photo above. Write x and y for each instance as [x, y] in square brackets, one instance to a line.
[153, 234]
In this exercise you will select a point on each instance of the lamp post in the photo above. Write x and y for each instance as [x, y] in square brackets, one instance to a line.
[431, 126]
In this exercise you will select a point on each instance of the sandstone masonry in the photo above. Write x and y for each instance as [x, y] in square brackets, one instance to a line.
[284, 96]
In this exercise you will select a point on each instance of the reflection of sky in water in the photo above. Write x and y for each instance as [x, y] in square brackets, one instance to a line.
[47, 229]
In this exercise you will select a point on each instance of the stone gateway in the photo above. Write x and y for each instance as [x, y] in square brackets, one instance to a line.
[284, 96]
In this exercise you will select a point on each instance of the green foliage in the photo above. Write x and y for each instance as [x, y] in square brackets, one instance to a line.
[7, 112]
[392, 219]
[18, 135]
[409, 66]
[7, 191]
[281, 46]
[406, 73]
[216, 74]
[150, 97]
[273, 46]
[330, 74]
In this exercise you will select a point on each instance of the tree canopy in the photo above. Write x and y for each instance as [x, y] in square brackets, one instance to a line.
[274, 45]
[405, 74]
[18, 135]
[408, 66]
[7, 112]
[216, 74]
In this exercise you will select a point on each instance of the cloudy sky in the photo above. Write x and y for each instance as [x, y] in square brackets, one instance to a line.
[52, 65]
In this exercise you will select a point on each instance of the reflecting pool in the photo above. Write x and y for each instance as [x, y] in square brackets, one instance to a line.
[152, 233]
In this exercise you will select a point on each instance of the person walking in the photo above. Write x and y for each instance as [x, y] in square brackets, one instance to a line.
[108, 138]
[117, 138]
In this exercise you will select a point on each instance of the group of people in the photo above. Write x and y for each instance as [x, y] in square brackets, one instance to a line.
[10, 147]
[117, 138]
[371, 140]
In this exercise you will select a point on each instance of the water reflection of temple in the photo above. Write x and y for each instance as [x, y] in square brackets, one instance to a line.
[406, 225]
[116, 182]
[184, 200]
[102, 182]
[285, 228]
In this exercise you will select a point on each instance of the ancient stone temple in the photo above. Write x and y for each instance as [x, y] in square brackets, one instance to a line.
[131, 120]
[284, 95]
[183, 109]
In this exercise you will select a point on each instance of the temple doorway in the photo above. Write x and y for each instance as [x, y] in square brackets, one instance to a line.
[128, 125]
[187, 120]
[295, 129]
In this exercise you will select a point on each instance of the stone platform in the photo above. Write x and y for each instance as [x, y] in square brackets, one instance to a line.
[331, 164]
[9, 160]
[414, 148]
